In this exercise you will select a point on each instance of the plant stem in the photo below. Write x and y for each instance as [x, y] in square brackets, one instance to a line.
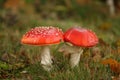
[46, 60]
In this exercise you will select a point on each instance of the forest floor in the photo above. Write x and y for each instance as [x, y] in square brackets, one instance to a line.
[22, 62]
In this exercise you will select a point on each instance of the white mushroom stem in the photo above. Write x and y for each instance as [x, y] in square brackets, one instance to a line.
[74, 51]
[46, 60]
[75, 58]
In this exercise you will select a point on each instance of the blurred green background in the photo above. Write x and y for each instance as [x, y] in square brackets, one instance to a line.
[21, 62]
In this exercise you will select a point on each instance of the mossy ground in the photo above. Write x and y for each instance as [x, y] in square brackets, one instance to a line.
[21, 62]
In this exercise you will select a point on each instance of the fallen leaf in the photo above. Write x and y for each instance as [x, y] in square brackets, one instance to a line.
[114, 65]
[109, 61]
[13, 4]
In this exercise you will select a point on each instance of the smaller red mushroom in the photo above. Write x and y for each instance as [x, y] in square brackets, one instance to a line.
[43, 36]
[80, 38]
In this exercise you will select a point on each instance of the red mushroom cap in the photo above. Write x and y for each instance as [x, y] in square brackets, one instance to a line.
[42, 36]
[80, 37]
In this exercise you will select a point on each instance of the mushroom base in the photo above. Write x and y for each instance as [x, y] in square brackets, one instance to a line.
[46, 60]
[75, 58]
[74, 52]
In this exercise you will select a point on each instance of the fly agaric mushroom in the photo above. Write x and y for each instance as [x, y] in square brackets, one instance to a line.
[80, 38]
[43, 36]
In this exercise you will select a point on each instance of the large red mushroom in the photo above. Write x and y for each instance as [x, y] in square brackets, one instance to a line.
[79, 38]
[43, 36]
